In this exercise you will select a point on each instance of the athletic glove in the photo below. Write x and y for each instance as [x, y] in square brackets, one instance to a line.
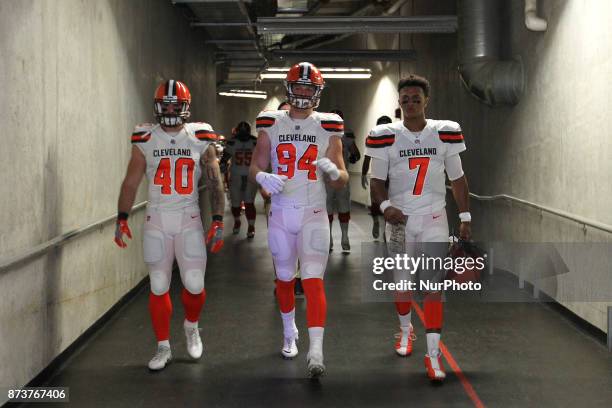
[327, 166]
[215, 236]
[272, 183]
[120, 229]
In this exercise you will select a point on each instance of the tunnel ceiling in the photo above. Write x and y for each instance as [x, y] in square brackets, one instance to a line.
[251, 35]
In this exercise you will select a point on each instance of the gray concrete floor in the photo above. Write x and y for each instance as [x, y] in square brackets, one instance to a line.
[512, 354]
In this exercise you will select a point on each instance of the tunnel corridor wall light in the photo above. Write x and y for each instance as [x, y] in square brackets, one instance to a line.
[240, 93]
[328, 73]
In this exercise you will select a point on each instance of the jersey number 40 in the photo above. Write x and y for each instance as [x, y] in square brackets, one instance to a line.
[163, 176]
[287, 156]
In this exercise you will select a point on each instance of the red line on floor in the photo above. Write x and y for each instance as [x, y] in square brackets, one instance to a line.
[467, 386]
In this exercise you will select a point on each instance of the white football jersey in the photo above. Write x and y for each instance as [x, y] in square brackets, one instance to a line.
[415, 162]
[173, 163]
[241, 152]
[295, 145]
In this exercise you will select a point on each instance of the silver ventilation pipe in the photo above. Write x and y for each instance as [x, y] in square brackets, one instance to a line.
[484, 74]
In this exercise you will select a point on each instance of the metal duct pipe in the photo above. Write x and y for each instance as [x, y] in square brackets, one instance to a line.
[484, 74]
[532, 21]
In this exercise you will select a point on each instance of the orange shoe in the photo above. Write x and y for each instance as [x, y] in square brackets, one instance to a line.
[403, 346]
[435, 369]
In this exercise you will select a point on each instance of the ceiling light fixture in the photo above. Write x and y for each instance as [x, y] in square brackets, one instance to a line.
[328, 73]
[244, 93]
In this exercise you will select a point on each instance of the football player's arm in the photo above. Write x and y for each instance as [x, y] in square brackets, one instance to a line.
[135, 170]
[461, 192]
[213, 181]
[365, 167]
[260, 167]
[355, 154]
[379, 194]
[223, 165]
[127, 195]
[334, 153]
[261, 156]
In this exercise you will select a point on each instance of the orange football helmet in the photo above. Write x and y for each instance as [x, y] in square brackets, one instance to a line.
[304, 74]
[176, 94]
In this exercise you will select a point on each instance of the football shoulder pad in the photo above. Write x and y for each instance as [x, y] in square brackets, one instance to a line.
[267, 119]
[332, 122]
[142, 133]
[380, 136]
[203, 131]
[449, 131]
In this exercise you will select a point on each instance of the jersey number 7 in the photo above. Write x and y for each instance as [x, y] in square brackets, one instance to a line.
[422, 163]
[286, 154]
[163, 176]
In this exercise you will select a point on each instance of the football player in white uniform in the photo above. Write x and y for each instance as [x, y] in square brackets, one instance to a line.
[414, 154]
[340, 200]
[171, 153]
[239, 151]
[302, 145]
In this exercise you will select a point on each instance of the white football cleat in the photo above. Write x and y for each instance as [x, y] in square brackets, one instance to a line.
[161, 358]
[435, 369]
[290, 349]
[316, 368]
[194, 343]
[403, 346]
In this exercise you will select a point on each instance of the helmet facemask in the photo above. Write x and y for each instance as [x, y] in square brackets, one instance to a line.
[301, 101]
[171, 117]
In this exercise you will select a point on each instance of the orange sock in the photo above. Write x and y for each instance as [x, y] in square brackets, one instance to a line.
[160, 308]
[316, 304]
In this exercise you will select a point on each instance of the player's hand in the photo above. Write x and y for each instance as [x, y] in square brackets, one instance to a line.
[121, 229]
[272, 183]
[328, 166]
[214, 238]
[364, 181]
[465, 231]
[395, 216]
[264, 194]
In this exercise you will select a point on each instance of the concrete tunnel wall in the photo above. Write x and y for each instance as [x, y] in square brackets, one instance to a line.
[552, 148]
[77, 76]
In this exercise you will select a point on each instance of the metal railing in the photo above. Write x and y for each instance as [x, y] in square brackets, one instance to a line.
[38, 250]
[560, 213]
[563, 214]
[62, 239]
[58, 241]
